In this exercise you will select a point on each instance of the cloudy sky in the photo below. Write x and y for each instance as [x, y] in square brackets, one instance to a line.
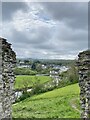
[54, 30]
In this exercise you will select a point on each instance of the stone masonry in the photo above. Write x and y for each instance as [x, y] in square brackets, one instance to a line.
[7, 64]
[84, 82]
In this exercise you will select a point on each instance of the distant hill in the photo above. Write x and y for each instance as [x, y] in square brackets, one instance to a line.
[49, 61]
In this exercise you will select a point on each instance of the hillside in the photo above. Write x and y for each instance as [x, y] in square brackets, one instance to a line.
[59, 103]
[25, 80]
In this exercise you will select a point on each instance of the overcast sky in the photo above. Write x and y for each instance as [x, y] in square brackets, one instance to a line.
[54, 30]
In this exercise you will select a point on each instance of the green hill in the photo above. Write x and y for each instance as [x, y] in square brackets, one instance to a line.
[59, 103]
[26, 80]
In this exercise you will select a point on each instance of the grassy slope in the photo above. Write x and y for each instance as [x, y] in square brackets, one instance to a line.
[53, 104]
[29, 80]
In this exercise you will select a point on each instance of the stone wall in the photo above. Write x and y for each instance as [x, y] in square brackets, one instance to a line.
[7, 64]
[84, 82]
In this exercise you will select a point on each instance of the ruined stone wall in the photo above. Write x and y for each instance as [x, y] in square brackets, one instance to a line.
[7, 64]
[84, 82]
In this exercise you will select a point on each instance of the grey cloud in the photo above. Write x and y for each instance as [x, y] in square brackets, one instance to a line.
[45, 46]
[69, 40]
[0, 12]
[89, 25]
[74, 14]
[44, 42]
[35, 38]
[73, 36]
[8, 9]
[38, 36]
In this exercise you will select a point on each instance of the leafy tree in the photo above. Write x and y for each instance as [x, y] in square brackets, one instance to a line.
[37, 86]
[33, 67]
[26, 62]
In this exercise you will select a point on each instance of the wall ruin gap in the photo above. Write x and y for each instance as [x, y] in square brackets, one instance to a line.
[7, 64]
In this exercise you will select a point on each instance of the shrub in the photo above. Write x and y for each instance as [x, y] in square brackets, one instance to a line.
[23, 96]
[24, 71]
[69, 77]
[37, 86]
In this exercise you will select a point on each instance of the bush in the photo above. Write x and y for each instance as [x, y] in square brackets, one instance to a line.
[24, 71]
[69, 77]
[73, 74]
[23, 96]
[37, 86]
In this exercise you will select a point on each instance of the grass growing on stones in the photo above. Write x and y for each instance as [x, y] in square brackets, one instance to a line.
[28, 81]
[53, 104]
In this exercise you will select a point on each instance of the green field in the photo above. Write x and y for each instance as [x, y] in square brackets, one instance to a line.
[28, 81]
[59, 103]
